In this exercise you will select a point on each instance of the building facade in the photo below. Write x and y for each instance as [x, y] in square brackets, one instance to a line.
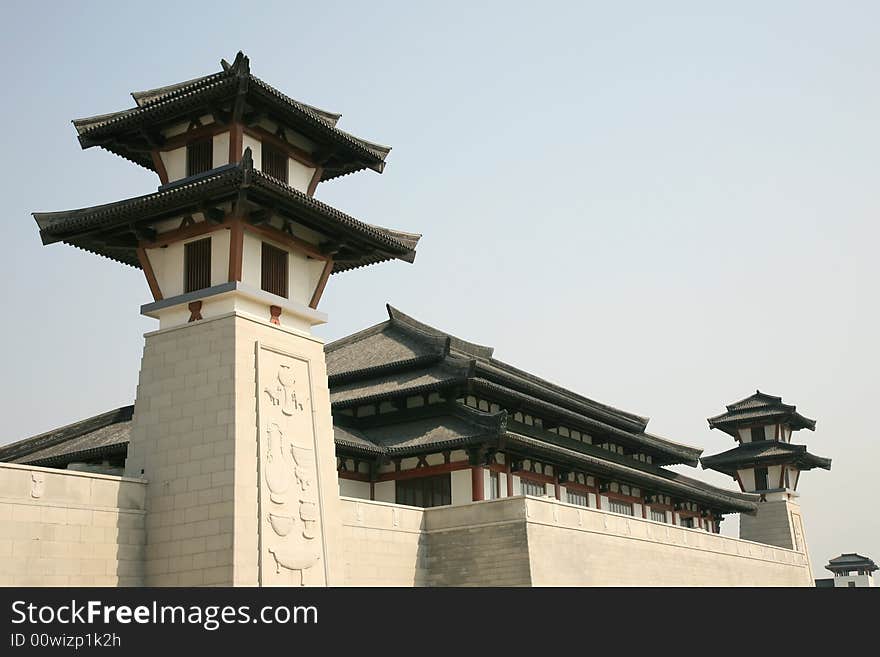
[255, 455]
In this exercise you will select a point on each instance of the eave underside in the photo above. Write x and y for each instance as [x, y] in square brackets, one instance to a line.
[115, 230]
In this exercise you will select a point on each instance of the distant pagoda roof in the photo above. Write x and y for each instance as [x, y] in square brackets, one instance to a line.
[403, 356]
[759, 408]
[112, 229]
[231, 94]
[850, 561]
[764, 452]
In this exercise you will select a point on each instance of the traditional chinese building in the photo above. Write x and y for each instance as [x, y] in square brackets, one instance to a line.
[767, 463]
[850, 570]
[401, 454]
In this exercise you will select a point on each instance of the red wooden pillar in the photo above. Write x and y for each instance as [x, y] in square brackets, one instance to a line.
[477, 485]
[509, 477]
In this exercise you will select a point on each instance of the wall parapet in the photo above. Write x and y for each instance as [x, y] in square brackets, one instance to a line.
[70, 528]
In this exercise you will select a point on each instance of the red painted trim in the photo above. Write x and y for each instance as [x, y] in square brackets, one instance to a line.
[159, 167]
[478, 492]
[354, 476]
[236, 249]
[535, 477]
[322, 283]
[424, 472]
[147, 267]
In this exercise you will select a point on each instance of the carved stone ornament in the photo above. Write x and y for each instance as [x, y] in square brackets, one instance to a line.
[38, 484]
[291, 537]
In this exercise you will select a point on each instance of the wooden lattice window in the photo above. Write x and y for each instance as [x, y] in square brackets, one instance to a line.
[760, 478]
[274, 270]
[619, 506]
[424, 491]
[197, 265]
[758, 434]
[199, 156]
[274, 162]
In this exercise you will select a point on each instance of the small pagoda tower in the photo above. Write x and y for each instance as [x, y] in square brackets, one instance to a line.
[852, 570]
[766, 462]
[231, 424]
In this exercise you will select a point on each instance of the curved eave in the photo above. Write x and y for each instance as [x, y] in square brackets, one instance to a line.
[181, 100]
[672, 453]
[671, 483]
[76, 227]
[730, 423]
[729, 465]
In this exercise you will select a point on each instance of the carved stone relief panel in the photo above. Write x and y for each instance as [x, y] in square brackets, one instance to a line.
[292, 541]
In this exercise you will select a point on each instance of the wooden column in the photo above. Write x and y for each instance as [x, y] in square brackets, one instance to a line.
[509, 476]
[477, 485]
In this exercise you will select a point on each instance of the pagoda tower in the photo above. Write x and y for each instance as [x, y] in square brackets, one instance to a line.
[232, 425]
[767, 463]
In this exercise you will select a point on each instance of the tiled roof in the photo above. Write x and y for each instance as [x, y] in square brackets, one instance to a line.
[758, 408]
[851, 561]
[101, 432]
[396, 383]
[179, 101]
[766, 451]
[78, 227]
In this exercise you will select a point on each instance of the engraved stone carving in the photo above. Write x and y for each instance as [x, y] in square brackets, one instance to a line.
[281, 524]
[284, 392]
[38, 484]
[290, 497]
[798, 531]
[277, 477]
[292, 558]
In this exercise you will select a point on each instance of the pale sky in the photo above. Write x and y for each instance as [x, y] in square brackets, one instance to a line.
[662, 206]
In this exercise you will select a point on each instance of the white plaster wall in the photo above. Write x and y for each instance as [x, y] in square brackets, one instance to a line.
[747, 477]
[462, 492]
[256, 150]
[859, 580]
[220, 150]
[70, 528]
[774, 472]
[303, 272]
[299, 176]
[385, 491]
[175, 163]
[354, 488]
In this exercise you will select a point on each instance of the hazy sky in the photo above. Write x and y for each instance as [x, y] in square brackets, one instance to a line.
[662, 206]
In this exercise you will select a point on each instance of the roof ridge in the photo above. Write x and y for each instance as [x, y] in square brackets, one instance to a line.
[407, 321]
[59, 434]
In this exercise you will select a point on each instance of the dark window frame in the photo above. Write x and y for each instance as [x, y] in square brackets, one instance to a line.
[758, 434]
[197, 265]
[424, 492]
[199, 156]
[274, 269]
[275, 162]
[761, 475]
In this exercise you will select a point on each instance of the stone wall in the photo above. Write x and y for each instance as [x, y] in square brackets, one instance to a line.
[383, 544]
[576, 546]
[481, 544]
[522, 541]
[68, 528]
[183, 442]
